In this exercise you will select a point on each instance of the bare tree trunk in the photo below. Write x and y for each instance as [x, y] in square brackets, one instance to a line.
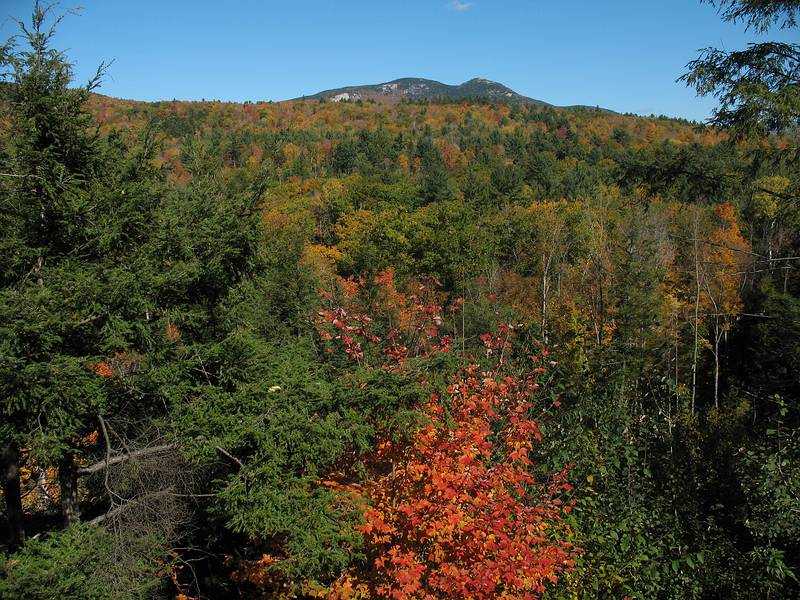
[68, 480]
[677, 338]
[546, 261]
[9, 470]
[717, 336]
[785, 277]
[602, 308]
[696, 315]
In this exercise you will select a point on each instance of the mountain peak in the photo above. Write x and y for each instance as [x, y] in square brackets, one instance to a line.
[417, 88]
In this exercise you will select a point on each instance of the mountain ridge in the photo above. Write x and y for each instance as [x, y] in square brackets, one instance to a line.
[419, 88]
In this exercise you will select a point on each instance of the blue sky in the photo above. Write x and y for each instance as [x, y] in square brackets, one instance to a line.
[622, 55]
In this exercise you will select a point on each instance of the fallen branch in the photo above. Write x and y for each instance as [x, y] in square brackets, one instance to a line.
[132, 503]
[229, 456]
[99, 466]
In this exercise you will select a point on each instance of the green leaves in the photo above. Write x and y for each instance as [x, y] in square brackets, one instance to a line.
[79, 562]
[288, 420]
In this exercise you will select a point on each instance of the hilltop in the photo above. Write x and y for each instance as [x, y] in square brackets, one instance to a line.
[417, 88]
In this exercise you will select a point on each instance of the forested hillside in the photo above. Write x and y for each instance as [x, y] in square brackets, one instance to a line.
[434, 349]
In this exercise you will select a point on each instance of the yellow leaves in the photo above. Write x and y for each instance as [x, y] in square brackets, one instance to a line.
[767, 196]
[292, 152]
[726, 260]
[405, 164]
[321, 260]
[33, 476]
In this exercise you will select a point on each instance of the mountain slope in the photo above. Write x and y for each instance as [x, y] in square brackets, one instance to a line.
[415, 88]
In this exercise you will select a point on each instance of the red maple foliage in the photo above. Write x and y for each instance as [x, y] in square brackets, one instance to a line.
[460, 514]
[410, 324]
[455, 512]
[102, 369]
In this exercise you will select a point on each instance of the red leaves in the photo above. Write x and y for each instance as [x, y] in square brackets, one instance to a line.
[455, 512]
[411, 324]
[496, 343]
[102, 369]
[459, 513]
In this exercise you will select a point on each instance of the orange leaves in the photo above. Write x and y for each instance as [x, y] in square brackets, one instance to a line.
[102, 369]
[727, 259]
[257, 572]
[459, 513]
[347, 588]
[120, 365]
[89, 440]
[173, 333]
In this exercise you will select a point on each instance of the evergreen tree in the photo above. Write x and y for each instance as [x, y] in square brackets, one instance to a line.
[110, 281]
[758, 87]
[55, 320]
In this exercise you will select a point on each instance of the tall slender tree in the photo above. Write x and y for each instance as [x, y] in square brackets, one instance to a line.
[49, 338]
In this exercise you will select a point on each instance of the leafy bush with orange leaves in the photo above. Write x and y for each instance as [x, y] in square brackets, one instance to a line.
[456, 510]
[457, 513]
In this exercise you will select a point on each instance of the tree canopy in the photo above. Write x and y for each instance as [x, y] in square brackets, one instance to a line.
[422, 350]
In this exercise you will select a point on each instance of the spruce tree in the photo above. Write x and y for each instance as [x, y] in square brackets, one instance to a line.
[109, 278]
[48, 299]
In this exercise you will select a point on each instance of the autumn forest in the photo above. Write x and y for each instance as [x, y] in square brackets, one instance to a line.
[445, 348]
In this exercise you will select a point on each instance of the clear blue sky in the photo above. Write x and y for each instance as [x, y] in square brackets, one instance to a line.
[619, 54]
